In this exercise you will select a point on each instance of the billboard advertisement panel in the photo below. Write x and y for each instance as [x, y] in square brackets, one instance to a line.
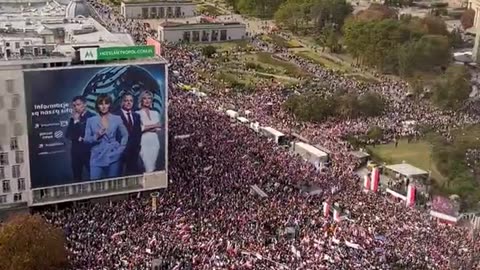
[95, 122]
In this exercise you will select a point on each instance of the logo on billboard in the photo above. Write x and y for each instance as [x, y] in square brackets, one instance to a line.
[45, 145]
[88, 54]
[58, 134]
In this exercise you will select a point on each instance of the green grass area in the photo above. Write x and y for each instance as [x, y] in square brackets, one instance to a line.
[274, 63]
[468, 136]
[228, 46]
[282, 42]
[418, 154]
[322, 61]
[209, 9]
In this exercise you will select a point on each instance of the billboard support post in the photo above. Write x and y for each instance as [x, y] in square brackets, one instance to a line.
[154, 196]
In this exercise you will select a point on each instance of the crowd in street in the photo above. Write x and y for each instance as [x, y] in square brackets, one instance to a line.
[209, 217]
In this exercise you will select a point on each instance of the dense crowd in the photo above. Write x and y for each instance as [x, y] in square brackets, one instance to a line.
[209, 218]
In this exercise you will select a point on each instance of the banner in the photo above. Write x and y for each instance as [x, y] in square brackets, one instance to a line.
[96, 122]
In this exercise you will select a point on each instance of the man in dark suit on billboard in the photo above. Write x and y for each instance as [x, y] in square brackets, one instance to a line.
[80, 151]
[132, 121]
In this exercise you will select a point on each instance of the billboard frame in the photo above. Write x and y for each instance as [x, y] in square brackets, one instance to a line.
[92, 195]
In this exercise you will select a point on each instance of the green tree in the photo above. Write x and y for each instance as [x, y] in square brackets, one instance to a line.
[209, 51]
[433, 50]
[467, 19]
[371, 104]
[453, 88]
[290, 14]
[330, 39]
[375, 133]
[328, 12]
[259, 8]
[29, 243]
[347, 105]
[428, 52]
[407, 56]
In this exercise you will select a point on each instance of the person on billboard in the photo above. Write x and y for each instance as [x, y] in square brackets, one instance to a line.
[150, 126]
[132, 121]
[80, 152]
[108, 136]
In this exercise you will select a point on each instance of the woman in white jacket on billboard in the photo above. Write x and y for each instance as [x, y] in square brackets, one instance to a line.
[150, 144]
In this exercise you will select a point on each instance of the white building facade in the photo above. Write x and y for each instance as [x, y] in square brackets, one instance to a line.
[14, 170]
[21, 45]
[157, 9]
[201, 32]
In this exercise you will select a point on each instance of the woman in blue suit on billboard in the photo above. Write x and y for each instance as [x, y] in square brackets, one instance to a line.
[108, 136]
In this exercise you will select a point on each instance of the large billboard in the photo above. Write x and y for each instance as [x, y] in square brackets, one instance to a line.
[95, 122]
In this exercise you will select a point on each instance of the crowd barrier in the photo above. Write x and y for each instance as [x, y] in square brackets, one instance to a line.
[444, 217]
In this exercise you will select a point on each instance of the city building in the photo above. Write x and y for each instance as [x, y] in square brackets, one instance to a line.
[154, 9]
[201, 32]
[54, 28]
[475, 5]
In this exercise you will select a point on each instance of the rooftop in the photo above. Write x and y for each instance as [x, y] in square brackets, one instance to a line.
[312, 149]
[178, 24]
[406, 169]
[360, 154]
[47, 21]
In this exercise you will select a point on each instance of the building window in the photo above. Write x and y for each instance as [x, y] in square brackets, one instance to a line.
[4, 158]
[205, 36]
[19, 157]
[12, 115]
[153, 12]
[21, 184]
[195, 36]
[10, 85]
[17, 197]
[161, 12]
[16, 100]
[6, 186]
[169, 12]
[27, 42]
[16, 171]
[2, 173]
[223, 34]
[13, 143]
[145, 13]
[3, 199]
[214, 35]
[7, 44]
[186, 36]
[178, 12]
[17, 45]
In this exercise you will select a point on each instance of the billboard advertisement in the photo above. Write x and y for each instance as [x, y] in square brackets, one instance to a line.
[95, 122]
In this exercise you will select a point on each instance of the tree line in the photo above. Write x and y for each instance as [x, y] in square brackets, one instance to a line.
[377, 38]
[315, 108]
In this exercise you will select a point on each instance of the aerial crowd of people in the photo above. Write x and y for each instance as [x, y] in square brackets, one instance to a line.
[209, 217]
